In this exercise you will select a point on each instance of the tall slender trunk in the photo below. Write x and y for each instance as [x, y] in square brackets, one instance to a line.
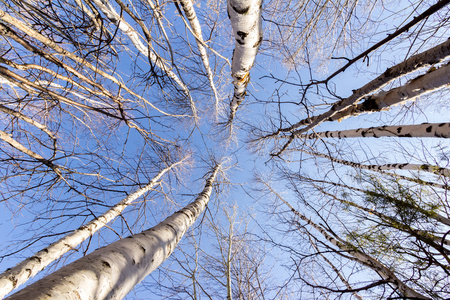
[359, 256]
[427, 58]
[228, 262]
[18, 275]
[439, 130]
[112, 271]
[245, 17]
[406, 166]
[146, 50]
[197, 31]
[422, 85]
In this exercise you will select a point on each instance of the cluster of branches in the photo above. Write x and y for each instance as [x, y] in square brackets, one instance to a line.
[383, 231]
[77, 136]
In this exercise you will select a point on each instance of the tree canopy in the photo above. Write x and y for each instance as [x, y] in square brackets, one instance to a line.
[313, 133]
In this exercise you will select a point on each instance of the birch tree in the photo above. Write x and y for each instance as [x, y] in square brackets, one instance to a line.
[99, 96]
[359, 256]
[436, 130]
[196, 28]
[414, 63]
[112, 271]
[396, 166]
[18, 275]
[245, 17]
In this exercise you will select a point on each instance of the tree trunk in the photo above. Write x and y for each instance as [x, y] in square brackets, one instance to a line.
[413, 167]
[414, 63]
[197, 31]
[431, 81]
[146, 50]
[359, 256]
[439, 130]
[18, 275]
[112, 271]
[245, 17]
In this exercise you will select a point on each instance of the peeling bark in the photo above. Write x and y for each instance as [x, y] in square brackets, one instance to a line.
[245, 17]
[112, 271]
[18, 275]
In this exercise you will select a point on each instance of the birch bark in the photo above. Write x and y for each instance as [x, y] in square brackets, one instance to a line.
[133, 35]
[427, 83]
[359, 256]
[439, 130]
[245, 17]
[414, 63]
[16, 276]
[112, 271]
[197, 31]
[413, 167]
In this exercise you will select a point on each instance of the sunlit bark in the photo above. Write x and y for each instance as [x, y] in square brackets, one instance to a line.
[18, 275]
[245, 17]
[413, 89]
[189, 11]
[146, 50]
[112, 271]
[405, 166]
[436, 130]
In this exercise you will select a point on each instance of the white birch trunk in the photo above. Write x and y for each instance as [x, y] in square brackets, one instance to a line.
[245, 17]
[359, 256]
[439, 130]
[413, 167]
[112, 271]
[427, 83]
[420, 181]
[380, 169]
[197, 31]
[16, 276]
[414, 63]
[29, 120]
[133, 35]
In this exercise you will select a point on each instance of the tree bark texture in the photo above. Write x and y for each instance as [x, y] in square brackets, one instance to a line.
[189, 11]
[112, 271]
[245, 17]
[414, 63]
[438, 130]
[18, 275]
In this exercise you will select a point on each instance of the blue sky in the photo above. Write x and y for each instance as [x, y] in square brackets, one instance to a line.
[207, 139]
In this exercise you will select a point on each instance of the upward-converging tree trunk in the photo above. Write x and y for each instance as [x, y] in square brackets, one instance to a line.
[245, 17]
[18, 275]
[359, 256]
[433, 80]
[398, 166]
[146, 50]
[414, 63]
[112, 271]
[435, 130]
[197, 31]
